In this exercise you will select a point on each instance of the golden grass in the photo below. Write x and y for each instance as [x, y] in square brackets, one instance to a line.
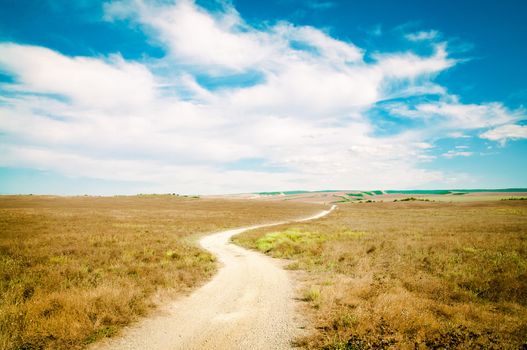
[410, 275]
[76, 269]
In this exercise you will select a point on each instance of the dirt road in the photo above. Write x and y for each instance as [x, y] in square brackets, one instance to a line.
[247, 305]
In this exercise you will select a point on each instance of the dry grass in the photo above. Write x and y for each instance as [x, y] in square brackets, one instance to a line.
[73, 270]
[410, 275]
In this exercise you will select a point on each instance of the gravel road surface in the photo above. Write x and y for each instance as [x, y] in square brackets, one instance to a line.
[247, 305]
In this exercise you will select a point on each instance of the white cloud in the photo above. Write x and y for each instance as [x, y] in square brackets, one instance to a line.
[422, 35]
[195, 36]
[311, 90]
[457, 135]
[452, 154]
[458, 116]
[471, 116]
[409, 65]
[90, 81]
[506, 132]
[329, 48]
[423, 145]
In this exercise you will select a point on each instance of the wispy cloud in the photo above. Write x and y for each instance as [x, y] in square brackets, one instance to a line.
[452, 154]
[457, 135]
[506, 132]
[422, 35]
[321, 5]
[449, 113]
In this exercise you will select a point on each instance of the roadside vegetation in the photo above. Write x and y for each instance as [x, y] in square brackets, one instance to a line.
[76, 269]
[409, 274]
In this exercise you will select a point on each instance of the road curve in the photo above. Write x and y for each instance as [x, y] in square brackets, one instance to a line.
[247, 305]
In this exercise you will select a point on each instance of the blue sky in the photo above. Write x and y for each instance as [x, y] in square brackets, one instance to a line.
[111, 97]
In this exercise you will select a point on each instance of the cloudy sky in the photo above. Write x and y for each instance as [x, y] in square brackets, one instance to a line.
[139, 96]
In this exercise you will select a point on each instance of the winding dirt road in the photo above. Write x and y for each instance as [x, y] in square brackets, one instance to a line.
[247, 305]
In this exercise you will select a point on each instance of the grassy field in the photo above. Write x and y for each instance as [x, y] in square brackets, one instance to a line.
[75, 269]
[410, 275]
[469, 198]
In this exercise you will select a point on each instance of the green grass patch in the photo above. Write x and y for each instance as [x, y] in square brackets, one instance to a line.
[286, 243]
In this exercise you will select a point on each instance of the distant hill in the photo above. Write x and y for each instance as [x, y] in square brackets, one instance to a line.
[506, 190]
[288, 193]
[379, 192]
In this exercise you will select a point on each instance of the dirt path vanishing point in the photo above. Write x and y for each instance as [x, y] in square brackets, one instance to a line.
[247, 305]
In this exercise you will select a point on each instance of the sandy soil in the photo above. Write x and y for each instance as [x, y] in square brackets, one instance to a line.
[247, 305]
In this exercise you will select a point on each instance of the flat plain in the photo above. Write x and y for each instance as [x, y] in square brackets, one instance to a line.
[77, 269]
[379, 272]
[411, 274]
